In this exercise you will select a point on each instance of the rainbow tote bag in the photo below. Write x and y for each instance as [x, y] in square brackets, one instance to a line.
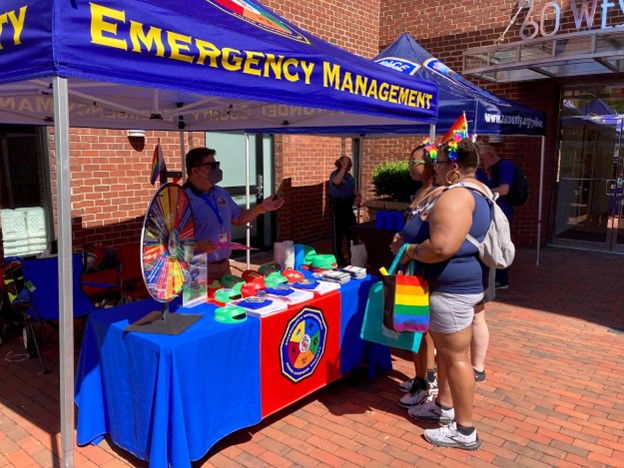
[405, 299]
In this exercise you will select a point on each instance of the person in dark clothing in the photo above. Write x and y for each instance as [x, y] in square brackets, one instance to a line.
[342, 197]
[501, 175]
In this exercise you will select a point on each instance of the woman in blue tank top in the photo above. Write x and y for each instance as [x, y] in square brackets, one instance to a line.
[436, 233]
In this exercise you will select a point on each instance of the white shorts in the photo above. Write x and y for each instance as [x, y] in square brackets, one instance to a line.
[450, 313]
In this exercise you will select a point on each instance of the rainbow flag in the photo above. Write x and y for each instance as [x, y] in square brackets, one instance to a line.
[158, 164]
[460, 126]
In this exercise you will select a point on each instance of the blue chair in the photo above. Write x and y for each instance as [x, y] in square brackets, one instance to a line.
[39, 300]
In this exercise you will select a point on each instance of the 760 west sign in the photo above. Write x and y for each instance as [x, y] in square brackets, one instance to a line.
[581, 11]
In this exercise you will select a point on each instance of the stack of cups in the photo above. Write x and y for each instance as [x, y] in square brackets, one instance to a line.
[279, 254]
[289, 255]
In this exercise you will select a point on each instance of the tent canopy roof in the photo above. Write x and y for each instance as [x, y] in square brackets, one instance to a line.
[487, 113]
[198, 64]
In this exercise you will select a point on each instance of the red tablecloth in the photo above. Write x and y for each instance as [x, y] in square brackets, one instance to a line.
[299, 351]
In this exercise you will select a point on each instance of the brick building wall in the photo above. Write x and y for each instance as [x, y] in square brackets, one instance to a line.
[110, 187]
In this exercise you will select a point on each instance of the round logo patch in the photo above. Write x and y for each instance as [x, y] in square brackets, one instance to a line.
[440, 69]
[303, 344]
[252, 13]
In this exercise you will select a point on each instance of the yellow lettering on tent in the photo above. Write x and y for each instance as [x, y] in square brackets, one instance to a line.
[207, 49]
[331, 75]
[252, 62]
[287, 74]
[109, 28]
[347, 83]
[394, 90]
[101, 28]
[404, 96]
[235, 63]
[372, 89]
[361, 83]
[179, 43]
[3, 20]
[153, 38]
[383, 91]
[308, 68]
[16, 21]
[273, 64]
[420, 100]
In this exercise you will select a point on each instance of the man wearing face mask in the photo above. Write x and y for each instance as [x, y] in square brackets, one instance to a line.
[214, 210]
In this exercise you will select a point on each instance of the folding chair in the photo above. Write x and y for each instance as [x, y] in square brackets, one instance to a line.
[101, 277]
[133, 287]
[41, 304]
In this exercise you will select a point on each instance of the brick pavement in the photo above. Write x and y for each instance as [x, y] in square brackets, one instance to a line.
[554, 394]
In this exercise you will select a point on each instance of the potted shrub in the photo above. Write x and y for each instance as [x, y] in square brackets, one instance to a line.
[393, 185]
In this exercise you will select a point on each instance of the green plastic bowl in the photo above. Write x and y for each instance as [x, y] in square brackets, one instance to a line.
[230, 314]
[324, 261]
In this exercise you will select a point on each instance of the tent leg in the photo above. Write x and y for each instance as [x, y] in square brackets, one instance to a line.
[66, 338]
[539, 208]
[247, 201]
[183, 156]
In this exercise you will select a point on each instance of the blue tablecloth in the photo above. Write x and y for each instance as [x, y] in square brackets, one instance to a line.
[169, 399]
[354, 350]
[166, 399]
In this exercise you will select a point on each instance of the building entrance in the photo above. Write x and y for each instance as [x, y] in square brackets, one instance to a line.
[589, 207]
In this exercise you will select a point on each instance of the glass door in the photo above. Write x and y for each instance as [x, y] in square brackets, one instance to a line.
[590, 178]
[613, 190]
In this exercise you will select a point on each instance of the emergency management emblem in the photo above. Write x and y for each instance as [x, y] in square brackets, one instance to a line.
[303, 344]
[256, 15]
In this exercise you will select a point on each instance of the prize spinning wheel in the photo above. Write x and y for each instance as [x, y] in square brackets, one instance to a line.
[167, 242]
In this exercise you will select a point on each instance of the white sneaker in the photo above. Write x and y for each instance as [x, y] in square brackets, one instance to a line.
[449, 436]
[412, 399]
[433, 387]
[406, 386]
[429, 411]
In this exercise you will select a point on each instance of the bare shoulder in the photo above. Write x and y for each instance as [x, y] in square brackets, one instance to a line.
[455, 198]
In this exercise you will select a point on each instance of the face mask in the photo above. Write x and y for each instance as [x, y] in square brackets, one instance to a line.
[215, 176]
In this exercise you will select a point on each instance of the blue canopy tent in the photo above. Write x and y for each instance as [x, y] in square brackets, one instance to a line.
[487, 114]
[193, 65]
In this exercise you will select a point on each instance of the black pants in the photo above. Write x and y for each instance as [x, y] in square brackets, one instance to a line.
[342, 219]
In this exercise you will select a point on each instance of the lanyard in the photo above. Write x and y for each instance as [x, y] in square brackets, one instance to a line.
[213, 206]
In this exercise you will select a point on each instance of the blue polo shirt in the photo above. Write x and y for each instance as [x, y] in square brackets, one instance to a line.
[346, 187]
[213, 212]
[502, 172]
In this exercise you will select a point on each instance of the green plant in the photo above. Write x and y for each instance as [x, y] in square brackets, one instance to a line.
[392, 179]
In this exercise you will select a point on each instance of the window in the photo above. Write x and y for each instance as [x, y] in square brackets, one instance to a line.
[23, 179]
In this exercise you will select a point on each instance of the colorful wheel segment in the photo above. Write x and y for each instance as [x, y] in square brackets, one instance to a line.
[304, 343]
[167, 242]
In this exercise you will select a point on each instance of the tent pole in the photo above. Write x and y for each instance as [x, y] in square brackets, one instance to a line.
[359, 176]
[247, 196]
[66, 306]
[183, 154]
[432, 132]
[539, 208]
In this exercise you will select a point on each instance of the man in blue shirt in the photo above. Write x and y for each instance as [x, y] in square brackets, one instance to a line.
[342, 196]
[501, 175]
[214, 210]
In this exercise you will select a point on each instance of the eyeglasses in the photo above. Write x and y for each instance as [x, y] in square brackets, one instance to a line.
[437, 161]
[416, 162]
[213, 165]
